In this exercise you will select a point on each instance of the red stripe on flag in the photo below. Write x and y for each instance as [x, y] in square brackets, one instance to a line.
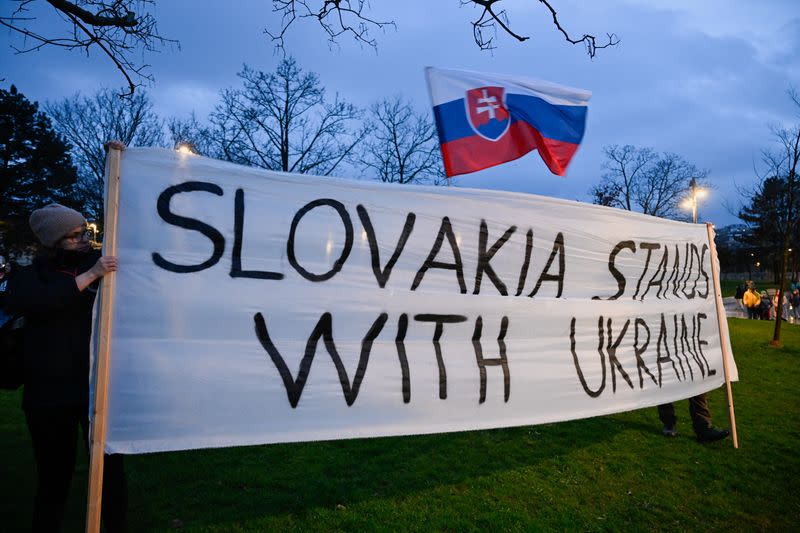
[471, 154]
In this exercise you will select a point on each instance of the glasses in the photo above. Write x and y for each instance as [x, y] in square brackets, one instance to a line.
[79, 235]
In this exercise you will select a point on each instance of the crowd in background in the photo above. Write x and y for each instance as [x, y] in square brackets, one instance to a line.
[760, 306]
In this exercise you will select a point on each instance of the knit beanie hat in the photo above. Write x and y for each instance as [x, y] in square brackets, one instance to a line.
[52, 222]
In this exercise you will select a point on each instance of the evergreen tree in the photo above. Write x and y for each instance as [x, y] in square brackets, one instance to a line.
[768, 217]
[36, 168]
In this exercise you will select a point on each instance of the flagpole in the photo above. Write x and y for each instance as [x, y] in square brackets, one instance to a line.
[105, 310]
[723, 328]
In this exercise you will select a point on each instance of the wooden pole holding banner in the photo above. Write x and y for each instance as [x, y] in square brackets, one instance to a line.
[722, 324]
[104, 315]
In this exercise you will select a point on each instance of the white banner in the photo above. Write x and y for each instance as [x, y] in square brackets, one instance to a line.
[258, 307]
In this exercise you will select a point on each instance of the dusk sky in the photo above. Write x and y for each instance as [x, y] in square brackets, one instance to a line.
[702, 79]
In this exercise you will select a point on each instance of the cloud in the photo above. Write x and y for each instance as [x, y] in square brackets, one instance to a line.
[702, 79]
[180, 99]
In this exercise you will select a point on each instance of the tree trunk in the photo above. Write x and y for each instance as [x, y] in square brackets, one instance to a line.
[776, 334]
[787, 239]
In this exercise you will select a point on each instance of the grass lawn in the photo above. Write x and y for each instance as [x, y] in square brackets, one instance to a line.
[609, 473]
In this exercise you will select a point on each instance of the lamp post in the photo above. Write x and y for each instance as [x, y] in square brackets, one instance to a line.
[185, 148]
[93, 228]
[695, 193]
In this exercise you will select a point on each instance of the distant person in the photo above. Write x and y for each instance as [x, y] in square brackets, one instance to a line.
[765, 309]
[55, 295]
[5, 273]
[781, 304]
[794, 303]
[704, 430]
[739, 295]
[752, 302]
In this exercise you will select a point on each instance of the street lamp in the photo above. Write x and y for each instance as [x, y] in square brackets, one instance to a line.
[93, 228]
[185, 148]
[691, 202]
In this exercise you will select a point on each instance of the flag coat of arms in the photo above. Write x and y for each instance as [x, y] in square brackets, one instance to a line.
[484, 120]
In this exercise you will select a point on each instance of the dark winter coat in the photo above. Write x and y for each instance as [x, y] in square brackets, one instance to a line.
[794, 300]
[58, 322]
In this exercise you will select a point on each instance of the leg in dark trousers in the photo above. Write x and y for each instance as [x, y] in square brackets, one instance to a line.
[698, 410]
[701, 416]
[701, 420]
[114, 507]
[54, 434]
[666, 413]
[115, 495]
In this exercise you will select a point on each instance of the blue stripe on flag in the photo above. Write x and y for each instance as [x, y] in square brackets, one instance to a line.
[564, 123]
[451, 121]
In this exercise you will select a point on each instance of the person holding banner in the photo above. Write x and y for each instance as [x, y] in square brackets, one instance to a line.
[701, 420]
[55, 294]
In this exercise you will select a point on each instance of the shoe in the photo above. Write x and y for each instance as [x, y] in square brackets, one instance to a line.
[712, 434]
[669, 431]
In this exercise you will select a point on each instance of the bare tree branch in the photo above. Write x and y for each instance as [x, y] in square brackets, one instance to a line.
[281, 121]
[336, 17]
[117, 28]
[589, 40]
[402, 145]
[97, 19]
[490, 19]
[87, 122]
[623, 169]
[639, 179]
[349, 17]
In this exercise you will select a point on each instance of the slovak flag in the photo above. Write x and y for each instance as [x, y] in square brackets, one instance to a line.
[489, 119]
